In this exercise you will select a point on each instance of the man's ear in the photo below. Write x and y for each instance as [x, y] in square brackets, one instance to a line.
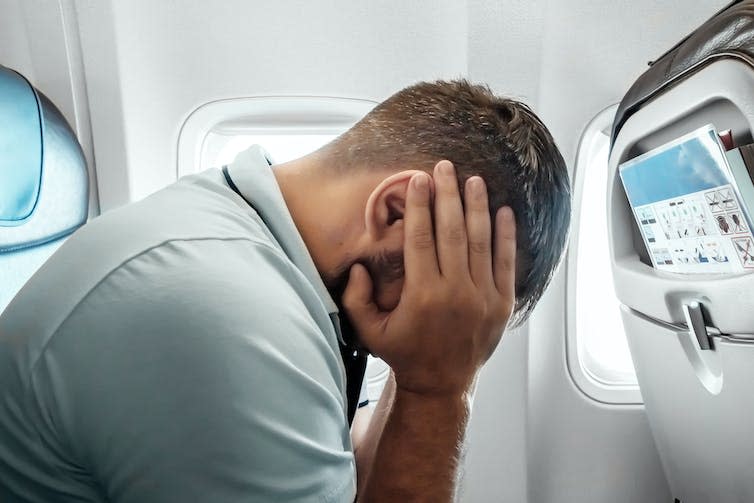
[387, 203]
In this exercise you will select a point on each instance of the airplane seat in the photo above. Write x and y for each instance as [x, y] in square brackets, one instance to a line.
[691, 336]
[44, 185]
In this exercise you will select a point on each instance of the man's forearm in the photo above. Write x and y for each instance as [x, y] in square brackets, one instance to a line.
[367, 447]
[418, 451]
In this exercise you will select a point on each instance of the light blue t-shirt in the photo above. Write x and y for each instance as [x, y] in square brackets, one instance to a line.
[182, 348]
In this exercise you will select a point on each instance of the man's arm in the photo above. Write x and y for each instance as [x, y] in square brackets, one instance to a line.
[368, 429]
[457, 298]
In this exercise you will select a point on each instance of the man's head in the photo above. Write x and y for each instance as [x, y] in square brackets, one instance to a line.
[369, 167]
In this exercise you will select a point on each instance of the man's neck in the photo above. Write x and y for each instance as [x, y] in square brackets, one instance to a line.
[318, 208]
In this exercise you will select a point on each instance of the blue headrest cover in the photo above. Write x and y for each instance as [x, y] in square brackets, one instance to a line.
[43, 176]
[20, 148]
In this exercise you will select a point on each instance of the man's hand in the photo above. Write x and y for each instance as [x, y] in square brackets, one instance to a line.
[457, 297]
[458, 293]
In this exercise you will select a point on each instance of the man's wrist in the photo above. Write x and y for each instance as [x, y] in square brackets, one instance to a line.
[446, 388]
[443, 402]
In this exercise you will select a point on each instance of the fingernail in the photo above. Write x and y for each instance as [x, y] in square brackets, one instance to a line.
[506, 213]
[446, 168]
[476, 185]
[421, 182]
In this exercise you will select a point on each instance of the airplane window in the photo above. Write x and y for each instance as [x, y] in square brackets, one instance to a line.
[601, 361]
[220, 149]
[286, 126]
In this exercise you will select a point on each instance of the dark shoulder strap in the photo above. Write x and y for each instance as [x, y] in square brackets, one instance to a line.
[355, 363]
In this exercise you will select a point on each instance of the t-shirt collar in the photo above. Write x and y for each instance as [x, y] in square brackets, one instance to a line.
[252, 174]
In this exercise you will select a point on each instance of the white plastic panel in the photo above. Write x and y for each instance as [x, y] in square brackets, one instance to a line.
[721, 94]
[599, 360]
[201, 134]
[701, 415]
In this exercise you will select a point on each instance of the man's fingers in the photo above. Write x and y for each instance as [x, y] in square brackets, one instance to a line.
[359, 305]
[450, 227]
[357, 298]
[478, 229]
[505, 254]
[419, 256]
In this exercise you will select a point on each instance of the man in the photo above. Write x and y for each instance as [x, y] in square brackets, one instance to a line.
[187, 347]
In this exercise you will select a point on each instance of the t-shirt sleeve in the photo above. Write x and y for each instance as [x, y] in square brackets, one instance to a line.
[184, 383]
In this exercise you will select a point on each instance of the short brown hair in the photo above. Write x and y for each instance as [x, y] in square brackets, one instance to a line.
[499, 139]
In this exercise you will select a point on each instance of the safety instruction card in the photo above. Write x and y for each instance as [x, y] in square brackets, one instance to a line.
[688, 207]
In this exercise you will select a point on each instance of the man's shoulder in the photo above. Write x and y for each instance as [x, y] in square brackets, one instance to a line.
[205, 279]
[167, 226]
[196, 207]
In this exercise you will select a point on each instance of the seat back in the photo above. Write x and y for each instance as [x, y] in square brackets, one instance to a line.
[698, 400]
[44, 184]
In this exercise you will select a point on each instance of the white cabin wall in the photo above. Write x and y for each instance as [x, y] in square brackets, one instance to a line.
[150, 64]
[14, 41]
[505, 51]
[505, 46]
